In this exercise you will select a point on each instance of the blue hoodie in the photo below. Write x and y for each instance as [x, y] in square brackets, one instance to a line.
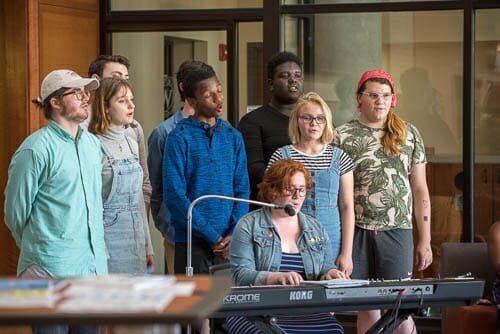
[201, 160]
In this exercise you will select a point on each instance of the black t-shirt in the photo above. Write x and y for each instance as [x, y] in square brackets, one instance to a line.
[264, 130]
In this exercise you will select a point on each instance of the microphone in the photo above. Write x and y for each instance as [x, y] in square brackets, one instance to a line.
[288, 208]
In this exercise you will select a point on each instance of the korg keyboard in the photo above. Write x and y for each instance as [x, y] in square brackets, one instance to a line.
[409, 294]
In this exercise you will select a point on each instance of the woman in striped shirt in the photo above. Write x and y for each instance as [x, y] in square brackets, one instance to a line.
[331, 198]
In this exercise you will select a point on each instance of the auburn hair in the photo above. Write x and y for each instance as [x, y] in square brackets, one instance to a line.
[277, 178]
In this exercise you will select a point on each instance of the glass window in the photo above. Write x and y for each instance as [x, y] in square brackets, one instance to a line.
[487, 119]
[155, 58]
[423, 52]
[165, 52]
[183, 4]
[487, 83]
[320, 2]
[251, 67]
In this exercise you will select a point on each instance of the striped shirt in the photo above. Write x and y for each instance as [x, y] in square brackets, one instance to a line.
[319, 161]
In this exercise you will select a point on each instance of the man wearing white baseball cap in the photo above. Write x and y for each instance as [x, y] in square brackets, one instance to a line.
[53, 204]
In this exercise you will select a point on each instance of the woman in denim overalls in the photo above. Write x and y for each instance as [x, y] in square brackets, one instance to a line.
[330, 200]
[126, 230]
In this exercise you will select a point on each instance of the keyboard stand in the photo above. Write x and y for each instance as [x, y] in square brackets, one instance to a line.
[266, 324]
[388, 323]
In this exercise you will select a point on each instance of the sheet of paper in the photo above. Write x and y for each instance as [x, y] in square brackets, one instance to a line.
[115, 301]
[338, 282]
[122, 294]
[124, 281]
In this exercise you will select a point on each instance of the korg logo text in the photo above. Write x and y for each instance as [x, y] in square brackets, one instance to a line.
[242, 299]
[301, 295]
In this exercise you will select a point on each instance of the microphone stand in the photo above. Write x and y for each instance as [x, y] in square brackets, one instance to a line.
[189, 268]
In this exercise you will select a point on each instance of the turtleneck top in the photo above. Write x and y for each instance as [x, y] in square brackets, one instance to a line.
[115, 143]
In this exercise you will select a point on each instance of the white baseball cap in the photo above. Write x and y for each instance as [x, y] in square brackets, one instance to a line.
[65, 78]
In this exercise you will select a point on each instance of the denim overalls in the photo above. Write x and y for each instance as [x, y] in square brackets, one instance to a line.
[322, 199]
[124, 218]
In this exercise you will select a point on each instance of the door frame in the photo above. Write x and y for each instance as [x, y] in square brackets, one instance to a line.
[185, 20]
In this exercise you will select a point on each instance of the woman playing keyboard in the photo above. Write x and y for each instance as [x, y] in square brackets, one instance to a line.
[274, 246]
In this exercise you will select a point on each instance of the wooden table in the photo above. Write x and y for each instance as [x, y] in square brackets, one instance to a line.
[206, 298]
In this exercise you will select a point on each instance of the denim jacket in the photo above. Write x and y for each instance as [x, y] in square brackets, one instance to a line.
[255, 248]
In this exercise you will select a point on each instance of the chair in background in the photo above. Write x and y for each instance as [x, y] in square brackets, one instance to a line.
[461, 258]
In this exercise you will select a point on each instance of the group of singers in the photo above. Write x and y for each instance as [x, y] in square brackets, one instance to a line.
[77, 201]
[362, 181]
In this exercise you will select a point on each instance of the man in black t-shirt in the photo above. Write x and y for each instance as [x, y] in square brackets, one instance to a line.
[266, 128]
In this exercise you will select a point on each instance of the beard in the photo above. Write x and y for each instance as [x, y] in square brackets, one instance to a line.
[76, 114]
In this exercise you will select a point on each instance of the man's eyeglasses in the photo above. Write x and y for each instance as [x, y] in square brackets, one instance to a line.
[291, 191]
[79, 94]
[376, 96]
[310, 119]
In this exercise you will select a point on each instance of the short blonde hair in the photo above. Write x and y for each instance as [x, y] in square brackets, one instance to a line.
[293, 125]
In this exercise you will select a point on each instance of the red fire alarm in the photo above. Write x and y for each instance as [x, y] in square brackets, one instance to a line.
[222, 52]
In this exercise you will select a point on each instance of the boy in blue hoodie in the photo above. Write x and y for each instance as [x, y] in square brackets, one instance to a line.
[204, 155]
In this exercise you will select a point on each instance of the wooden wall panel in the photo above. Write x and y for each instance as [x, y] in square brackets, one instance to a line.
[483, 200]
[429, 174]
[3, 135]
[68, 38]
[35, 38]
[496, 193]
[92, 5]
[14, 99]
[442, 178]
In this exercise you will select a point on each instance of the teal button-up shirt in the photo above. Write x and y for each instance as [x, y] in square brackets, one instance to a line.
[53, 204]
